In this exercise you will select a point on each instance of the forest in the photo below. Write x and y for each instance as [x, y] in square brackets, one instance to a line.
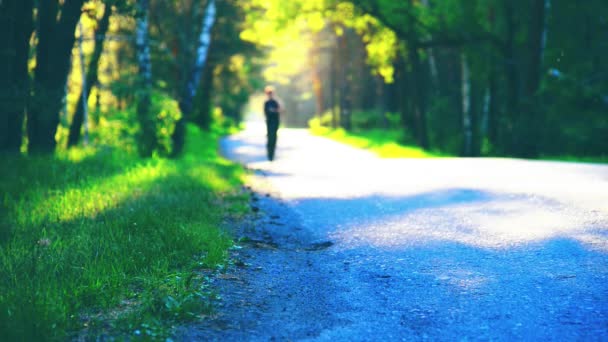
[108, 105]
[467, 78]
[510, 78]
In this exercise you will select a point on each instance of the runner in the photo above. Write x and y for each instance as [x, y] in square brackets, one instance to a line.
[271, 111]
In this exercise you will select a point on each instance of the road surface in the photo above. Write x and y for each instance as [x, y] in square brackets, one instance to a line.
[412, 249]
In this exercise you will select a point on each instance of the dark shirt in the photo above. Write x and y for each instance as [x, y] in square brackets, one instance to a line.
[271, 109]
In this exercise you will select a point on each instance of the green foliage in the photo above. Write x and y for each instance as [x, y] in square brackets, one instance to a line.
[385, 143]
[322, 121]
[381, 46]
[574, 92]
[117, 129]
[370, 119]
[361, 120]
[97, 235]
[167, 113]
[369, 133]
[233, 68]
[238, 79]
[121, 127]
[445, 126]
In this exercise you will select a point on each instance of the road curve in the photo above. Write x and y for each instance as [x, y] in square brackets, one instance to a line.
[439, 249]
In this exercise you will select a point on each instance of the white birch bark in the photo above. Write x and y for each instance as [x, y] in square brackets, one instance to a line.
[204, 41]
[147, 138]
[543, 42]
[202, 52]
[142, 44]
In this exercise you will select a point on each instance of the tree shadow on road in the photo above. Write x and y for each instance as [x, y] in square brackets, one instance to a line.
[463, 262]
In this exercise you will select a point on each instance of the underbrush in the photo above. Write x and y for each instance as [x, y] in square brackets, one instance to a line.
[97, 239]
[394, 143]
[577, 159]
[384, 142]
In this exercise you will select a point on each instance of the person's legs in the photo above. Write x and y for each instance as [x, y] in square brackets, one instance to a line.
[268, 134]
[272, 127]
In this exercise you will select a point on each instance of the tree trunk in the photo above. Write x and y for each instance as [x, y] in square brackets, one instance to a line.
[317, 83]
[467, 126]
[476, 110]
[419, 87]
[493, 122]
[147, 135]
[403, 95]
[434, 80]
[491, 99]
[333, 87]
[528, 122]
[380, 101]
[364, 88]
[485, 113]
[536, 44]
[8, 23]
[203, 118]
[92, 75]
[56, 39]
[179, 135]
[16, 27]
[511, 75]
[345, 103]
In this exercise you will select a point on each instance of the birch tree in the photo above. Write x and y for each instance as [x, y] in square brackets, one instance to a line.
[202, 51]
[91, 75]
[147, 135]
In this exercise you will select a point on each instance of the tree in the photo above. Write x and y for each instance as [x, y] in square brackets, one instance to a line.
[16, 25]
[526, 135]
[92, 74]
[185, 104]
[400, 18]
[56, 39]
[147, 135]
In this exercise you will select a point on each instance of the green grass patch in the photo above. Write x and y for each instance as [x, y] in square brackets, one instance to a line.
[92, 236]
[382, 142]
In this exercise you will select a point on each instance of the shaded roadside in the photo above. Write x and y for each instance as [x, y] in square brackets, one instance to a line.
[274, 287]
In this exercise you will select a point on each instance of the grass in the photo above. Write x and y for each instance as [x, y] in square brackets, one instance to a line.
[93, 237]
[382, 142]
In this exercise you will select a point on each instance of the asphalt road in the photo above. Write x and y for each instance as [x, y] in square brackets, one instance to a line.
[439, 249]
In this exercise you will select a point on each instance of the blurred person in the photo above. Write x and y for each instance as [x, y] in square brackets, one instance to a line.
[272, 109]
